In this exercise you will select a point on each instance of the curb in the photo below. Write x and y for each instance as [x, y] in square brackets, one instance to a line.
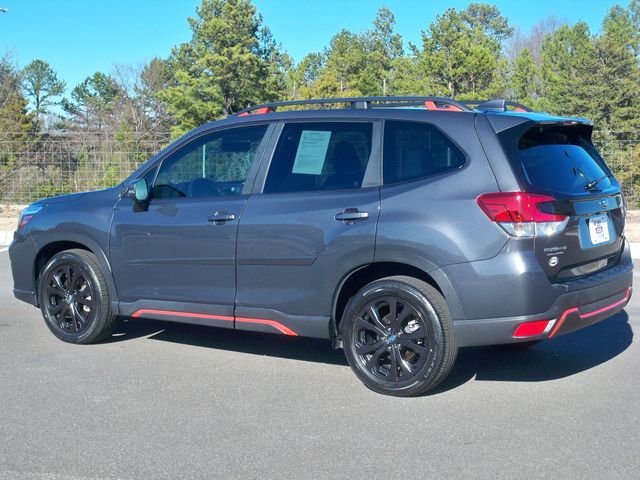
[6, 237]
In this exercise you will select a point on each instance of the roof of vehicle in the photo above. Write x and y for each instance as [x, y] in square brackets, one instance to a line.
[502, 112]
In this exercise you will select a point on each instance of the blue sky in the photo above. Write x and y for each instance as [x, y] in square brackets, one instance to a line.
[79, 37]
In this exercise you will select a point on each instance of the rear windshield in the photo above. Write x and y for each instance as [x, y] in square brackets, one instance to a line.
[563, 160]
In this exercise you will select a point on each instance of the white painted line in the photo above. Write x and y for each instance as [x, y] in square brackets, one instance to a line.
[5, 249]
[6, 237]
[635, 250]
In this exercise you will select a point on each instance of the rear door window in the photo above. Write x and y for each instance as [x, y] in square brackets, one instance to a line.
[415, 150]
[320, 156]
[562, 159]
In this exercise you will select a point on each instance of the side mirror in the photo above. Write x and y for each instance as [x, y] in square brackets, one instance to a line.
[138, 191]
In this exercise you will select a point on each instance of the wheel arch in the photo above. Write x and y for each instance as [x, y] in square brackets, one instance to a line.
[359, 277]
[57, 245]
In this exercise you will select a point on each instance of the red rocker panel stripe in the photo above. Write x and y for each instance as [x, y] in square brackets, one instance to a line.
[273, 323]
[566, 313]
[171, 313]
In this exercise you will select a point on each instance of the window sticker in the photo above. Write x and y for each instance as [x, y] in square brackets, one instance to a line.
[312, 151]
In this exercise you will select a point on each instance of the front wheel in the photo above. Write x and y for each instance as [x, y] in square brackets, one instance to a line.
[74, 299]
[398, 336]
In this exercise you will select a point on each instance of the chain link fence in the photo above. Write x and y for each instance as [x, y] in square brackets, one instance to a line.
[623, 158]
[48, 164]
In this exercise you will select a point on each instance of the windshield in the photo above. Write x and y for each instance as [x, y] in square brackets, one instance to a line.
[563, 160]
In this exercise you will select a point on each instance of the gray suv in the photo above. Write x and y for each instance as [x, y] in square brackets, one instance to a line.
[400, 228]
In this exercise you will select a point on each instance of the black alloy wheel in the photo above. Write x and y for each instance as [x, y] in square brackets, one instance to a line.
[398, 336]
[74, 297]
[70, 298]
[392, 339]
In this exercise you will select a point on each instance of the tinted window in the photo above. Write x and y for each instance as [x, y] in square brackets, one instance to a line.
[320, 156]
[414, 150]
[562, 159]
[216, 164]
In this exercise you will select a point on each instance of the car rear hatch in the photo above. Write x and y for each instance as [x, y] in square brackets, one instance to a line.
[575, 188]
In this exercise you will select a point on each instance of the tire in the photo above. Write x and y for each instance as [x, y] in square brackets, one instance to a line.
[74, 298]
[417, 342]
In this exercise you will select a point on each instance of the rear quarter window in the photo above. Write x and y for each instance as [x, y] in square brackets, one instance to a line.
[415, 150]
[562, 159]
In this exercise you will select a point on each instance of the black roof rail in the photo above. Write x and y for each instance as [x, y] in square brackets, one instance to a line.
[439, 103]
[496, 105]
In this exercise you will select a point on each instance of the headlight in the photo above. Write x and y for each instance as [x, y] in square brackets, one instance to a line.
[27, 214]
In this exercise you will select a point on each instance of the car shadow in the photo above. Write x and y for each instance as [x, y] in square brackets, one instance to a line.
[549, 360]
[279, 346]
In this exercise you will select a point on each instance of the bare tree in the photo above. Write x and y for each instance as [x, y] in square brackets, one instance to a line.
[534, 39]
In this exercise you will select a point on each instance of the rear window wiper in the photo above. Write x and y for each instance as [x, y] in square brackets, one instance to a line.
[589, 186]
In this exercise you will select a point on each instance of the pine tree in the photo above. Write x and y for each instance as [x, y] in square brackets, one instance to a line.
[386, 47]
[230, 62]
[596, 77]
[41, 84]
[524, 78]
[615, 73]
[462, 51]
[15, 121]
[17, 126]
[564, 54]
[346, 61]
[95, 102]
[301, 77]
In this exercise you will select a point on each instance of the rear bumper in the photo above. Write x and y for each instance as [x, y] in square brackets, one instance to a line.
[584, 303]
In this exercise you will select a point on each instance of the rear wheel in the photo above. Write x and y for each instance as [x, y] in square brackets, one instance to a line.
[74, 299]
[398, 336]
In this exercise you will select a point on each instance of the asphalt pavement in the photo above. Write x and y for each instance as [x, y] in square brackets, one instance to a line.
[163, 400]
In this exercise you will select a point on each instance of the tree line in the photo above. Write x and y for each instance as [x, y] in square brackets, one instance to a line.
[233, 60]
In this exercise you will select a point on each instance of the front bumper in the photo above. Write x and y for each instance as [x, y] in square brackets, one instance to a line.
[22, 255]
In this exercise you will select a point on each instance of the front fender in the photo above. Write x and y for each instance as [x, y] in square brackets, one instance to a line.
[43, 242]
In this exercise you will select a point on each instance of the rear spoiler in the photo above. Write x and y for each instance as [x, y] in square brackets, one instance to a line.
[508, 120]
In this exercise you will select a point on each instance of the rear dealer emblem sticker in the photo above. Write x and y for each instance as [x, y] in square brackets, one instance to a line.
[604, 203]
[553, 261]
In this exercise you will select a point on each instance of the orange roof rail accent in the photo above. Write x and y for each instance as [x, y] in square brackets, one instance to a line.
[362, 103]
[259, 111]
[439, 104]
[431, 105]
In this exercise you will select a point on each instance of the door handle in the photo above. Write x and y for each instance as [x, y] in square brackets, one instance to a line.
[350, 215]
[219, 218]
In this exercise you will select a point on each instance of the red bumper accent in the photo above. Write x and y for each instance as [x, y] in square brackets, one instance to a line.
[531, 329]
[583, 316]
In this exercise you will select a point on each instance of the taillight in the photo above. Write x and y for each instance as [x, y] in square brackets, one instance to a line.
[520, 214]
